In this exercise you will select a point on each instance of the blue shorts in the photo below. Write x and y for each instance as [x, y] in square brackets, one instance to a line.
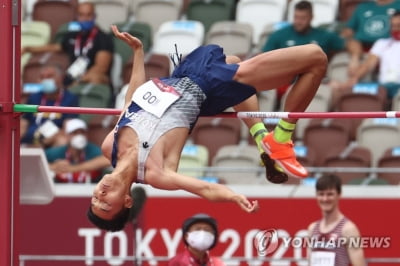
[206, 66]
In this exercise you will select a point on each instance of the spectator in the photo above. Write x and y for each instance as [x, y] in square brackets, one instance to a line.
[90, 49]
[327, 234]
[43, 129]
[79, 161]
[368, 23]
[301, 32]
[200, 235]
[384, 53]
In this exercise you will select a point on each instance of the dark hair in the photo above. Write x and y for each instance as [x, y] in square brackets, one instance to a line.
[396, 13]
[116, 224]
[200, 217]
[304, 5]
[329, 181]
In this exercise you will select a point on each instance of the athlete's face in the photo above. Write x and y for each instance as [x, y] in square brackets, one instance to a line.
[109, 198]
[328, 199]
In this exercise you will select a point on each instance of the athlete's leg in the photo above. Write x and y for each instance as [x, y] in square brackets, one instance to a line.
[271, 70]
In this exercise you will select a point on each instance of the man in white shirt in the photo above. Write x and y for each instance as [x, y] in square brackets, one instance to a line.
[385, 52]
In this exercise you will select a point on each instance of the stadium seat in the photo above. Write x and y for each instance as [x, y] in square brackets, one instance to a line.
[237, 158]
[180, 36]
[306, 156]
[266, 32]
[236, 38]
[55, 13]
[363, 97]
[338, 67]
[267, 100]
[322, 135]
[187, 35]
[74, 3]
[210, 11]
[193, 156]
[350, 156]
[99, 126]
[324, 11]
[110, 12]
[31, 69]
[33, 33]
[215, 133]
[390, 158]
[260, 13]
[320, 103]
[28, 5]
[368, 181]
[92, 95]
[396, 102]
[156, 12]
[26, 9]
[156, 66]
[378, 134]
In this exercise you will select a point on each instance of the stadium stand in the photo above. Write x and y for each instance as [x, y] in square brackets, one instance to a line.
[390, 158]
[193, 156]
[236, 38]
[56, 13]
[324, 11]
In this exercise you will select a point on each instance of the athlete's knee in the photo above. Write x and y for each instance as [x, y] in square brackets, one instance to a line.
[232, 59]
[317, 54]
[316, 57]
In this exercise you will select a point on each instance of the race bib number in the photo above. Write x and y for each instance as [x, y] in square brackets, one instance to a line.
[78, 67]
[155, 97]
[322, 258]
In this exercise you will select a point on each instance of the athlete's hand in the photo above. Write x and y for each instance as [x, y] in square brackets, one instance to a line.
[132, 41]
[246, 205]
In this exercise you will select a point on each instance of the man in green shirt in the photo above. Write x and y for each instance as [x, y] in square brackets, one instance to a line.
[369, 22]
[301, 32]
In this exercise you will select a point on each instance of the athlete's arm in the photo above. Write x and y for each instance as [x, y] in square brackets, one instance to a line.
[138, 76]
[310, 230]
[356, 253]
[170, 180]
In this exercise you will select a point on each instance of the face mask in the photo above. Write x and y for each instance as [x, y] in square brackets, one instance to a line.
[49, 85]
[396, 34]
[79, 141]
[200, 240]
[86, 25]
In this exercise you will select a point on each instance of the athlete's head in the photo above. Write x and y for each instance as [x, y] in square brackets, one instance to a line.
[329, 181]
[303, 15]
[110, 204]
[329, 189]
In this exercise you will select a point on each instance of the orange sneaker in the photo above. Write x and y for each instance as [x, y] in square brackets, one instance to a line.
[284, 156]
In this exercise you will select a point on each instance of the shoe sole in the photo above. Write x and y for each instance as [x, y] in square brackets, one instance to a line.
[273, 175]
[268, 152]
